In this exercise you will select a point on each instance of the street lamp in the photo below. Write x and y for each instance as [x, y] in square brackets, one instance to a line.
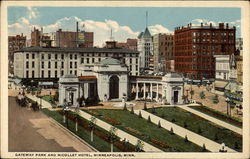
[227, 100]
[66, 111]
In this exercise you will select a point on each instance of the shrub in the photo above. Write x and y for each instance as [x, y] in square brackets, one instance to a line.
[153, 110]
[159, 124]
[125, 107]
[149, 119]
[132, 110]
[236, 145]
[145, 106]
[199, 130]
[185, 124]
[140, 116]
[173, 120]
[204, 148]
[202, 95]
[186, 138]
[171, 131]
[216, 137]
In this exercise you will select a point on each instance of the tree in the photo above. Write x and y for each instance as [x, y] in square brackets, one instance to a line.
[92, 123]
[202, 95]
[171, 131]
[140, 116]
[149, 119]
[186, 138]
[204, 148]
[145, 106]
[112, 136]
[215, 99]
[159, 124]
[139, 146]
[132, 110]
[56, 97]
[192, 93]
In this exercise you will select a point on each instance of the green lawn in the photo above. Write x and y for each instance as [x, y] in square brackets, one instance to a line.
[199, 125]
[100, 144]
[219, 115]
[48, 98]
[146, 131]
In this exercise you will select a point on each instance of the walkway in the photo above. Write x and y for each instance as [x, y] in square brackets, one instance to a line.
[193, 137]
[120, 133]
[212, 119]
[45, 104]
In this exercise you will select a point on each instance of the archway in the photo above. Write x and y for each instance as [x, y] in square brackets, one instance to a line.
[114, 87]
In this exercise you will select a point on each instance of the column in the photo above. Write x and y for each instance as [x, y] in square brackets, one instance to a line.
[151, 91]
[157, 92]
[136, 97]
[144, 90]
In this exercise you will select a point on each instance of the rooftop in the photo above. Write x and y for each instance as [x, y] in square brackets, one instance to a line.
[69, 50]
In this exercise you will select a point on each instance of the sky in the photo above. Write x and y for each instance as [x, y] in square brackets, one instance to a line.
[125, 22]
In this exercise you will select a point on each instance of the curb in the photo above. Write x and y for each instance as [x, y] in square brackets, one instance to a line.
[54, 121]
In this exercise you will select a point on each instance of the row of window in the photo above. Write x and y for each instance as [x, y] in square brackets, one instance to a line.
[213, 34]
[49, 73]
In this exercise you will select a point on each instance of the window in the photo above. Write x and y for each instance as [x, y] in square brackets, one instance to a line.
[49, 64]
[62, 64]
[42, 56]
[55, 74]
[70, 65]
[75, 64]
[49, 74]
[56, 64]
[42, 64]
[27, 64]
[136, 67]
[27, 74]
[49, 56]
[62, 56]
[62, 73]
[82, 60]
[33, 56]
[27, 56]
[70, 56]
[33, 74]
[136, 60]
[33, 64]
[75, 72]
[70, 72]
[75, 56]
[42, 74]
[56, 56]
[130, 60]
[99, 59]
[93, 60]
[87, 60]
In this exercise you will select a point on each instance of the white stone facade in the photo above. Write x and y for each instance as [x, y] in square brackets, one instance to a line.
[40, 62]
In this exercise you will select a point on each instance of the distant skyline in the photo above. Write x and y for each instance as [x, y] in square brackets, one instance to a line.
[125, 22]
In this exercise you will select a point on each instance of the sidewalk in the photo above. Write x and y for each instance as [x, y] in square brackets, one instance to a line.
[214, 120]
[193, 137]
[45, 104]
[120, 133]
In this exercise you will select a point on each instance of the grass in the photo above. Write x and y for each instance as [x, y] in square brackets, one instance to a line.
[219, 115]
[49, 99]
[201, 126]
[98, 143]
[146, 131]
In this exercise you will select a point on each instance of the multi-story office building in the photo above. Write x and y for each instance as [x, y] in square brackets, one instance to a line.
[145, 47]
[195, 46]
[15, 43]
[129, 44]
[163, 52]
[46, 63]
[69, 39]
[36, 37]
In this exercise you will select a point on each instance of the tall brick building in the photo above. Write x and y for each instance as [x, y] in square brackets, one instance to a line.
[195, 46]
[15, 43]
[68, 39]
[36, 36]
[163, 52]
[129, 44]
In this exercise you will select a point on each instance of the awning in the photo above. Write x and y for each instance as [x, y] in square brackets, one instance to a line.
[220, 84]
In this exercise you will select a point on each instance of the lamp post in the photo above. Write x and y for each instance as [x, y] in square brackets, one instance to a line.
[227, 100]
[66, 111]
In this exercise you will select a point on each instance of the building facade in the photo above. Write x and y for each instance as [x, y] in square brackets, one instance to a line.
[15, 43]
[145, 47]
[129, 44]
[70, 39]
[195, 46]
[239, 66]
[239, 44]
[41, 62]
[36, 37]
[162, 52]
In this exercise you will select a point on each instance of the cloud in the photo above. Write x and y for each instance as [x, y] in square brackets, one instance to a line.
[155, 29]
[101, 29]
[32, 12]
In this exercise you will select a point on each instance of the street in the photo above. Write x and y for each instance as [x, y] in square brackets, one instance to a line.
[31, 131]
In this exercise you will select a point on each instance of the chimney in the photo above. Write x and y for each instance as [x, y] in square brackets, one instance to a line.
[201, 24]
